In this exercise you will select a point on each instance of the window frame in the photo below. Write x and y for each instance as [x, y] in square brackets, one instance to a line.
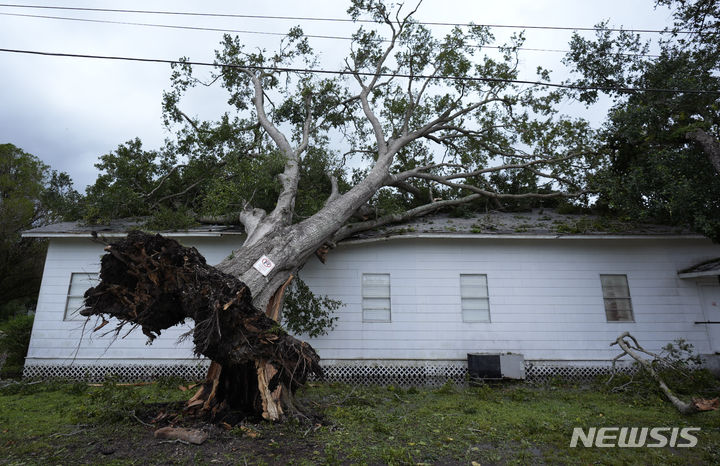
[72, 315]
[363, 297]
[607, 299]
[486, 297]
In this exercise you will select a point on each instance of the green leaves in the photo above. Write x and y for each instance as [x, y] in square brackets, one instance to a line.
[31, 195]
[307, 313]
[654, 172]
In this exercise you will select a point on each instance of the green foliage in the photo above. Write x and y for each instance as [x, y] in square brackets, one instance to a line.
[16, 307]
[655, 172]
[217, 167]
[136, 182]
[307, 313]
[166, 218]
[14, 342]
[31, 195]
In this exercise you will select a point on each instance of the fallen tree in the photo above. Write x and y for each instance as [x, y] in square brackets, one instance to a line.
[632, 348]
[430, 123]
[154, 283]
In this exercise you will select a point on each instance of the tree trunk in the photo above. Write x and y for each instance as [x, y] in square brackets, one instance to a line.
[155, 283]
[709, 145]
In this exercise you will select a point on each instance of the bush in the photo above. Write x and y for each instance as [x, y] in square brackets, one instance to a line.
[14, 342]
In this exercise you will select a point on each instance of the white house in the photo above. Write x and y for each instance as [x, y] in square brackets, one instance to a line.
[419, 297]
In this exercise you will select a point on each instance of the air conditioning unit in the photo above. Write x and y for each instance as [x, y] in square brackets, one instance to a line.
[496, 366]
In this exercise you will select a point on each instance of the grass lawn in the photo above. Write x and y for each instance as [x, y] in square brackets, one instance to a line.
[70, 423]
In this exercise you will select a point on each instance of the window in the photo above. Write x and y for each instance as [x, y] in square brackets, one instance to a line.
[79, 282]
[616, 294]
[376, 297]
[474, 299]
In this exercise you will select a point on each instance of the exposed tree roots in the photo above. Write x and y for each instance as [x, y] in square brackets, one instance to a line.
[155, 283]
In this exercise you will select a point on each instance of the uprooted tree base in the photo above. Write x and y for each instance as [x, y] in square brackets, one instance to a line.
[155, 283]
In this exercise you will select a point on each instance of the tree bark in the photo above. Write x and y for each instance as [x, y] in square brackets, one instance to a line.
[710, 146]
[153, 282]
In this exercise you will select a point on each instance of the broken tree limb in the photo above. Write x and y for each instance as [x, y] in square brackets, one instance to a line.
[194, 436]
[633, 349]
[156, 283]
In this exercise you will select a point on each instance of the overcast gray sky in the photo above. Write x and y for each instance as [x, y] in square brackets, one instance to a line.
[69, 111]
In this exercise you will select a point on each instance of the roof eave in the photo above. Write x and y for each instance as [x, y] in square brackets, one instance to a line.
[117, 234]
[517, 237]
[706, 273]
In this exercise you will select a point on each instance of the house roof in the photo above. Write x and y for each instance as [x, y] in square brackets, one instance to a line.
[120, 227]
[535, 224]
[703, 269]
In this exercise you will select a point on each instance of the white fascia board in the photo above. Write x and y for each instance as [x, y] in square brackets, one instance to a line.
[177, 234]
[708, 273]
[510, 236]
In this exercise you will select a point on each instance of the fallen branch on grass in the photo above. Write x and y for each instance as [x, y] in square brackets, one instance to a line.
[633, 349]
[196, 437]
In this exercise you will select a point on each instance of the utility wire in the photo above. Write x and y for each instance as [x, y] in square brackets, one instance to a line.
[363, 73]
[336, 20]
[267, 33]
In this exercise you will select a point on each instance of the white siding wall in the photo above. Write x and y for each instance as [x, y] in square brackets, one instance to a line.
[546, 301]
[55, 341]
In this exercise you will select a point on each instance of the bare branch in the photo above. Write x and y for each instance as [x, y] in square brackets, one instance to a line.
[492, 194]
[251, 218]
[509, 166]
[407, 187]
[383, 153]
[334, 191]
[635, 352]
[353, 228]
[290, 176]
[190, 121]
[421, 172]
[162, 181]
[306, 127]
[440, 122]
[263, 119]
[181, 193]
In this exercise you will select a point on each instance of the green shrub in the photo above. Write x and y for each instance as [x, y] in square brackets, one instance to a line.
[14, 342]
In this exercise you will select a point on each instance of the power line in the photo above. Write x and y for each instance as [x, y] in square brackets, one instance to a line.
[243, 31]
[313, 18]
[362, 73]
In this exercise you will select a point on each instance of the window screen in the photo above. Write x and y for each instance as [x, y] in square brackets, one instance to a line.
[376, 297]
[474, 299]
[616, 294]
[79, 282]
